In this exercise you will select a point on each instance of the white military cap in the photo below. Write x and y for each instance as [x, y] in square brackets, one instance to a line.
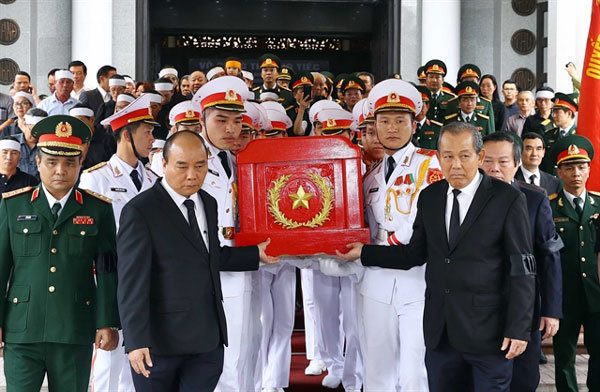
[125, 97]
[163, 86]
[358, 113]
[395, 95]
[271, 105]
[63, 74]
[268, 95]
[280, 122]
[167, 71]
[265, 123]
[335, 121]
[184, 113]
[251, 120]
[225, 93]
[25, 95]
[138, 110]
[248, 75]
[213, 71]
[320, 105]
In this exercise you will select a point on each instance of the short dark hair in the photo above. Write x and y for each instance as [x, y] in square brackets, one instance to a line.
[534, 135]
[37, 112]
[103, 71]
[174, 137]
[163, 79]
[369, 74]
[506, 137]
[546, 88]
[459, 127]
[117, 76]
[77, 63]
[52, 72]
[23, 73]
[129, 127]
[8, 137]
[511, 81]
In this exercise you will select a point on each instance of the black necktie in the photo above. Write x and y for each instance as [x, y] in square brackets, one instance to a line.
[454, 218]
[468, 119]
[434, 97]
[532, 179]
[578, 205]
[223, 156]
[191, 206]
[391, 165]
[135, 177]
[55, 208]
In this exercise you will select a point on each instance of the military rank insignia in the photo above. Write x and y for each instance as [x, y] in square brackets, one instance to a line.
[27, 217]
[83, 220]
[434, 175]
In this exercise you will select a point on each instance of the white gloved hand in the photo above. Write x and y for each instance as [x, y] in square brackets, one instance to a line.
[332, 267]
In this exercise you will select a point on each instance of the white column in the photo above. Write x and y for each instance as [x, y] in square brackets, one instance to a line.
[440, 33]
[92, 22]
[568, 26]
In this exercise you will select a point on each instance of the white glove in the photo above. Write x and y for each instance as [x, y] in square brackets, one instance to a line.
[333, 267]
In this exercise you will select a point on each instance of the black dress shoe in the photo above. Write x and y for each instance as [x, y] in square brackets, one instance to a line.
[543, 358]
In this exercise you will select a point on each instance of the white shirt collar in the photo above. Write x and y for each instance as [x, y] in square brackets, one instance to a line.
[127, 168]
[471, 188]
[570, 197]
[423, 121]
[405, 151]
[104, 93]
[527, 173]
[464, 115]
[51, 199]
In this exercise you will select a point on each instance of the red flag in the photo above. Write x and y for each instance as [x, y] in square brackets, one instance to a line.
[588, 123]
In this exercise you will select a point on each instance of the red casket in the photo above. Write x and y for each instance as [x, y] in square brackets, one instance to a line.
[305, 193]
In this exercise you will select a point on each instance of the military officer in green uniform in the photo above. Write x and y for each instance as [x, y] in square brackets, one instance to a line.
[575, 210]
[285, 76]
[269, 71]
[435, 70]
[421, 75]
[353, 89]
[52, 238]
[467, 101]
[301, 85]
[428, 131]
[472, 73]
[563, 114]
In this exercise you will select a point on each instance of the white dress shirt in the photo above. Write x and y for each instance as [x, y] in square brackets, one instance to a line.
[570, 197]
[105, 94]
[465, 115]
[527, 174]
[51, 199]
[139, 168]
[465, 197]
[199, 209]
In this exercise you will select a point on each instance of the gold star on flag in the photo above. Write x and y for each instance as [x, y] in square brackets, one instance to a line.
[300, 198]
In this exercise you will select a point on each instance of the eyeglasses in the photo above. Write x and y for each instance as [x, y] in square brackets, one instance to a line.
[21, 104]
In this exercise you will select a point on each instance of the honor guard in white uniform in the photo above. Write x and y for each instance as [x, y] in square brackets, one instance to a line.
[393, 300]
[121, 178]
[182, 117]
[221, 104]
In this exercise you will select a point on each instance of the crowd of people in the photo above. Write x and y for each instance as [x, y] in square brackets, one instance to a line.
[118, 222]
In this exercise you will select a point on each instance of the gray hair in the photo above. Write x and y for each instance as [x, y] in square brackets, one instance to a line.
[528, 93]
[459, 127]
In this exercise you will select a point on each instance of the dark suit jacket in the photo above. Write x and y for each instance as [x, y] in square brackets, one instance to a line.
[92, 98]
[546, 248]
[169, 287]
[105, 110]
[547, 181]
[481, 288]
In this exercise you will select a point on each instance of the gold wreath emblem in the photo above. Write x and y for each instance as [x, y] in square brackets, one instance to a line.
[63, 129]
[321, 217]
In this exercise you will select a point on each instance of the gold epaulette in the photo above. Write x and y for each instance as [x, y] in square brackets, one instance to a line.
[553, 196]
[285, 88]
[256, 88]
[483, 115]
[8, 195]
[98, 196]
[95, 167]
[289, 107]
[448, 117]
[545, 122]
[452, 99]
[439, 124]
[485, 99]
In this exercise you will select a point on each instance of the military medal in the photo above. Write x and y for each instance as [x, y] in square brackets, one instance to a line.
[83, 220]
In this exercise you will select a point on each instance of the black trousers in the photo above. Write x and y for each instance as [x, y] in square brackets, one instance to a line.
[450, 370]
[526, 367]
[182, 373]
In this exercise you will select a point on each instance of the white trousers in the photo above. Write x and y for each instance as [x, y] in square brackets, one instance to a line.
[394, 347]
[337, 319]
[278, 295]
[111, 370]
[306, 282]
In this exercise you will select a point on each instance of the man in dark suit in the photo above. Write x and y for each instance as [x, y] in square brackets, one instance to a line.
[502, 157]
[473, 233]
[96, 97]
[169, 292]
[529, 172]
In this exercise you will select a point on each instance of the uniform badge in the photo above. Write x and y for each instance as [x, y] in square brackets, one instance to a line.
[27, 217]
[434, 175]
[373, 190]
[63, 129]
[573, 150]
[83, 220]
[114, 189]
[230, 95]
[561, 219]
[213, 172]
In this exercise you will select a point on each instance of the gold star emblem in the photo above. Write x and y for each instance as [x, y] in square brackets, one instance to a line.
[300, 198]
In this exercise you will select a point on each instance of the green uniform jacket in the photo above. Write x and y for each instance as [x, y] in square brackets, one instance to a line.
[292, 113]
[427, 135]
[480, 121]
[579, 263]
[49, 268]
[436, 108]
[285, 96]
[550, 137]
[484, 106]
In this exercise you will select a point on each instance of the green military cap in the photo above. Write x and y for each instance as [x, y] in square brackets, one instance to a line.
[61, 135]
[395, 75]
[467, 89]
[269, 60]
[353, 82]
[468, 70]
[286, 73]
[435, 66]
[340, 79]
[425, 93]
[447, 87]
[328, 75]
[421, 73]
[302, 79]
[571, 149]
[565, 101]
